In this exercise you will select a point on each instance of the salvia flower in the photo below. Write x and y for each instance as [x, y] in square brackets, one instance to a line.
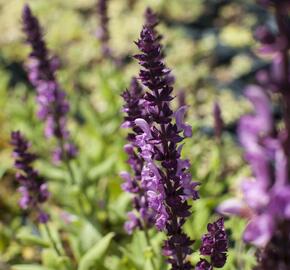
[277, 78]
[52, 104]
[142, 217]
[266, 196]
[33, 187]
[214, 245]
[165, 176]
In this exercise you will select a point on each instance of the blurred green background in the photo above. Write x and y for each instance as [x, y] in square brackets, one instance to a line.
[209, 47]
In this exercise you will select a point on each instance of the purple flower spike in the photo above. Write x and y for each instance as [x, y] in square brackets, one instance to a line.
[33, 187]
[52, 104]
[165, 176]
[215, 245]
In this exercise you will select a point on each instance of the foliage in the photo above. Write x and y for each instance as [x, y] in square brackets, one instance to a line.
[209, 46]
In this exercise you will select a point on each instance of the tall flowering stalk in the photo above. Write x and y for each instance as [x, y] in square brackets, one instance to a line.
[266, 196]
[165, 176]
[33, 187]
[52, 103]
[161, 178]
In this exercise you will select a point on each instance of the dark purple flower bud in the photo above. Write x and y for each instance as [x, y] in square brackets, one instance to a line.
[218, 121]
[52, 104]
[215, 244]
[264, 35]
[133, 103]
[203, 265]
[43, 217]
[151, 19]
[33, 187]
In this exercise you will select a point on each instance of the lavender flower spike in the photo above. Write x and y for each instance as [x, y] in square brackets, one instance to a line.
[51, 99]
[165, 176]
[32, 186]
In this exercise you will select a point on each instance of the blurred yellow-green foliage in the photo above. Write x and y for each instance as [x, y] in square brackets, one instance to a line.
[208, 46]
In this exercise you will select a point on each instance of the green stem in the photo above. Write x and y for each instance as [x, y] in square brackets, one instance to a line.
[52, 240]
[66, 162]
[150, 245]
[94, 222]
[71, 174]
[54, 245]
[73, 181]
[69, 168]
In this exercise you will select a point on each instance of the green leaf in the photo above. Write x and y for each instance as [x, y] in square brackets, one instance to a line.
[49, 258]
[27, 238]
[52, 261]
[29, 267]
[94, 256]
[88, 236]
[102, 168]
